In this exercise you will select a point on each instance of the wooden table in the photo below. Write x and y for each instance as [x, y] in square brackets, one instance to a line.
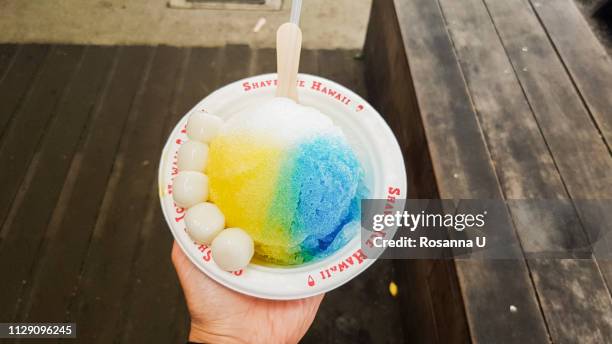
[500, 100]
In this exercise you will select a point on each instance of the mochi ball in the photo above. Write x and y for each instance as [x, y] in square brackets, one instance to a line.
[190, 188]
[204, 221]
[192, 156]
[203, 127]
[232, 249]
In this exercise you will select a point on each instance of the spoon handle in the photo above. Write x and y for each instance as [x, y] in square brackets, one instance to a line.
[288, 48]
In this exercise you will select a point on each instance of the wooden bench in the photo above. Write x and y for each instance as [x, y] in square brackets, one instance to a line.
[500, 100]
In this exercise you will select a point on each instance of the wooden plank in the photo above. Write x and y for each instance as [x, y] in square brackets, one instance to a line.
[153, 309]
[205, 64]
[17, 81]
[575, 292]
[235, 63]
[52, 292]
[445, 299]
[580, 154]
[7, 52]
[584, 57]
[14, 85]
[115, 244]
[385, 48]
[418, 314]
[342, 67]
[22, 137]
[57, 149]
[387, 75]
[361, 311]
[263, 61]
[156, 297]
[309, 61]
[502, 109]
[463, 169]
[20, 143]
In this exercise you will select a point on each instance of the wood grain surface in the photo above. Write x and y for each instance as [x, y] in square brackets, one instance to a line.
[82, 236]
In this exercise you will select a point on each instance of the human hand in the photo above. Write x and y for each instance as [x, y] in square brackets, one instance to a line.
[221, 315]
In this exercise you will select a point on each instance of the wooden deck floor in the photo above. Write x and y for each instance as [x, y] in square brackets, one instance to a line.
[82, 238]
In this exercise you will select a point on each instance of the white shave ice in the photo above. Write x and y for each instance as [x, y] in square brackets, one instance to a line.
[282, 120]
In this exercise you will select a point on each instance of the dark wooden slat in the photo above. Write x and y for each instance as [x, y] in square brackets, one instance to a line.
[7, 52]
[437, 291]
[107, 272]
[22, 138]
[17, 80]
[401, 113]
[156, 297]
[235, 62]
[581, 314]
[52, 292]
[416, 301]
[346, 315]
[384, 47]
[442, 278]
[21, 141]
[463, 169]
[342, 67]
[263, 61]
[502, 109]
[205, 64]
[153, 308]
[57, 150]
[309, 61]
[584, 57]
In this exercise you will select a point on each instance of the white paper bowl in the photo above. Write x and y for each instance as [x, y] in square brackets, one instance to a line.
[374, 144]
